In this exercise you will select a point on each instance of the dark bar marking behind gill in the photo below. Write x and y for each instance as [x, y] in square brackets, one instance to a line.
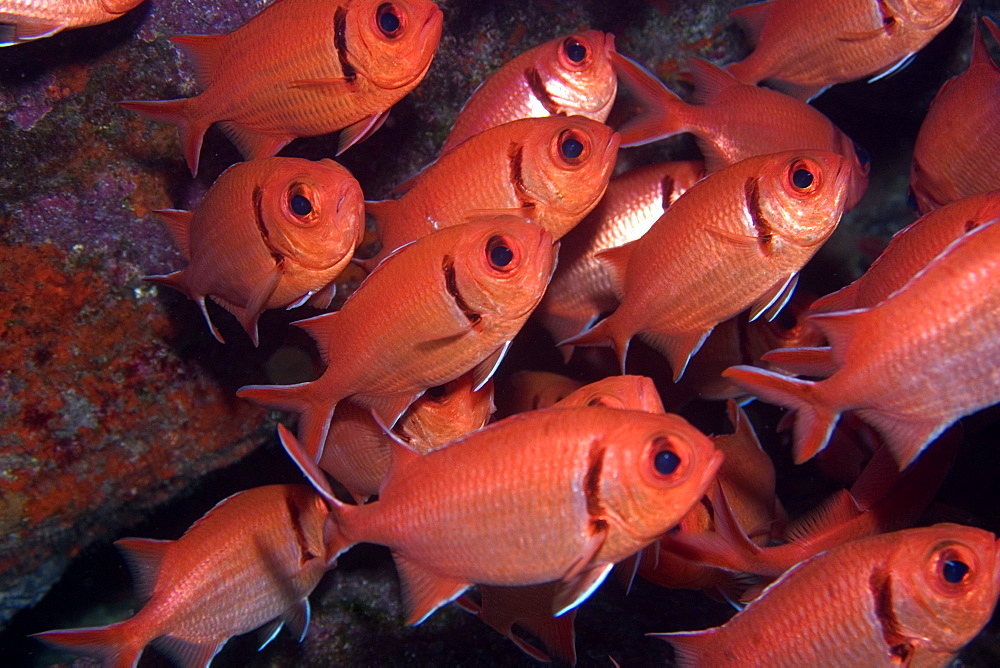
[880, 587]
[537, 87]
[258, 212]
[765, 233]
[449, 280]
[305, 554]
[592, 487]
[515, 153]
[340, 43]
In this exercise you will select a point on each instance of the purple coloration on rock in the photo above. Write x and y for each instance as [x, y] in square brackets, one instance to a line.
[28, 104]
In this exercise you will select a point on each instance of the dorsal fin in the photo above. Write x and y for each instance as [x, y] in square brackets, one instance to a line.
[144, 557]
[178, 223]
[709, 80]
[321, 328]
[204, 52]
[837, 509]
[839, 328]
[616, 261]
[752, 18]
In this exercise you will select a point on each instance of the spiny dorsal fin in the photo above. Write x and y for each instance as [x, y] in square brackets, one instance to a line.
[144, 557]
[178, 223]
[709, 80]
[204, 52]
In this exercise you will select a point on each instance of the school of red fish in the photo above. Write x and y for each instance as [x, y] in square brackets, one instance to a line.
[522, 217]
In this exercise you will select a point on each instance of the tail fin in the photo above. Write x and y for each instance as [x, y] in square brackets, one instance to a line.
[660, 111]
[691, 648]
[814, 422]
[603, 334]
[314, 406]
[107, 643]
[175, 112]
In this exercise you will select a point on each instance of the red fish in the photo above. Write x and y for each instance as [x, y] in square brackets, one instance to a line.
[531, 607]
[581, 287]
[567, 76]
[356, 453]
[530, 390]
[802, 47]
[252, 559]
[955, 154]
[25, 20]
[477, 284]
[910, 250]
[735, 240]
[911, 598]
[550, 170]
[733, 121]
[555, 494]
[909, 366]
[269, 233]
[302, 68]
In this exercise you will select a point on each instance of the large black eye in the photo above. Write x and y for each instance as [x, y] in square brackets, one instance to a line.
[802, 178]
[570, 145]
[954, 571]
[574, 50]
[388, 19]
[300, 205]
[499, 252]
[665, 461]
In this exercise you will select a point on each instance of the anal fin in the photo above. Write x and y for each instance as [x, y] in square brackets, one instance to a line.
[424, 591]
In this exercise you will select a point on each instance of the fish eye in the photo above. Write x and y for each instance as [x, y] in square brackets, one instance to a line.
[802, 178]
[300, 205]
[499, 253]
[666, 461]
[954, 571]
[572, 146]
[436, 393]
[574, 50]
[388, 19]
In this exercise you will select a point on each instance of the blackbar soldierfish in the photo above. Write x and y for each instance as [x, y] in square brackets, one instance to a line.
[253, 558]
[801, 46]
[446, 304]
[733, 121]
[910, 366]
[269, 233]
[25, 20]
[551, 170]
[553, 494]
[957, 153]
[735, 240]
[582, 287]
[909, 598]
[567, 76]
[302, 68]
